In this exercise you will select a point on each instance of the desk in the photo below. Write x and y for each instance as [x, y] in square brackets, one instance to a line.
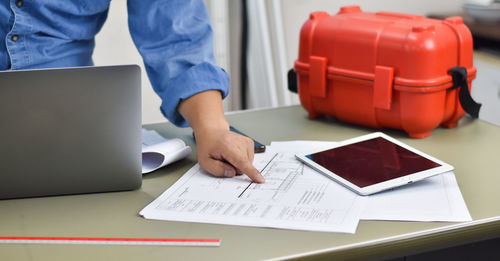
[472, 148]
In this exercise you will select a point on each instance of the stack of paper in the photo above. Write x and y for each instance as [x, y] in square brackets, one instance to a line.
[295, 196]
[158, 151]
[437, 198]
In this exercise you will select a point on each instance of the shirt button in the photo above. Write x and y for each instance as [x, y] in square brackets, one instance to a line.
[15, 37]
[19, 3]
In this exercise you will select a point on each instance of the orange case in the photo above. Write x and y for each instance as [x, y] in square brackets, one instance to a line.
[383, 69]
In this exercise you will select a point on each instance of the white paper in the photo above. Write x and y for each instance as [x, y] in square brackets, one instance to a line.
[437, 198]
[298, 146]
[158, 151]
[151, 137]
[293, 197]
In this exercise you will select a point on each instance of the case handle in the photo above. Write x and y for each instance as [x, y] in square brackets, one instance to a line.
[459, 75]
[399, 15]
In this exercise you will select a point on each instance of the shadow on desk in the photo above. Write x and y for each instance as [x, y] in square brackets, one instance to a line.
[484, 250]
[395, 133]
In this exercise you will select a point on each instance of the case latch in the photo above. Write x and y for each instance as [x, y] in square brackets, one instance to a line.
[382, 87]
[317, 76]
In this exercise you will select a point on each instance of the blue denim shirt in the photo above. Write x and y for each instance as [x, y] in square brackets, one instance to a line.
[174, 38]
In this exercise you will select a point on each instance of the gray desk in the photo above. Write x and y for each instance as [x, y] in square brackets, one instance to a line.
[473, 148]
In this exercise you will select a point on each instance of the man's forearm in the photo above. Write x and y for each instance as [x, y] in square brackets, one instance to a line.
[204, 111]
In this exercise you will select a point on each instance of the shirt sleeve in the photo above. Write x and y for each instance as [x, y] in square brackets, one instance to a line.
[175, 40]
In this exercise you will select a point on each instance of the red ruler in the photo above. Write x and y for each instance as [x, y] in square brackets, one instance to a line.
[111, 241]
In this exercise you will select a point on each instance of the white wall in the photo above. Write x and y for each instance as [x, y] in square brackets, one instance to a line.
[114, 46]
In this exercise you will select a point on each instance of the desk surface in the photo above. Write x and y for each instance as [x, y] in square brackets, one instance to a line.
[472, 148]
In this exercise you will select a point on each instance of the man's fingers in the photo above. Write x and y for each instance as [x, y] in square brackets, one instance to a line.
[228, 155]
[253, 173]
[250, 149]
[218, 168]
[246, 167]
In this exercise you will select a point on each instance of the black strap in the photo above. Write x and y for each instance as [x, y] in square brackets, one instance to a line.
[292, 81]
[244, 55]
[459, 75]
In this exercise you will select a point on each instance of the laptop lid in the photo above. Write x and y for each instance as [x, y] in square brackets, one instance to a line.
[70, 131]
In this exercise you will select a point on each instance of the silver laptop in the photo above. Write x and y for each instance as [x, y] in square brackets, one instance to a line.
[70, 131]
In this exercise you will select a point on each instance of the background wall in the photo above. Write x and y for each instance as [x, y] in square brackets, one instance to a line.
[272, 41]
[114, 46]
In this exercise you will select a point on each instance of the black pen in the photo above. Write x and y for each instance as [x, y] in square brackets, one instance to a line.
[258, 147]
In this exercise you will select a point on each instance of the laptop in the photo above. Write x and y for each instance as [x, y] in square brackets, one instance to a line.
[70, 131]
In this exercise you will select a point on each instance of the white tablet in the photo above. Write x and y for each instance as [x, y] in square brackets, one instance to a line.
[372, 163]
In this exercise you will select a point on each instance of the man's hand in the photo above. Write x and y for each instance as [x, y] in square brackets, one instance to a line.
[225, 154]
[220, 152]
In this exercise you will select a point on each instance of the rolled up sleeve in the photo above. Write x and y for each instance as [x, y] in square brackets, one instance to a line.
[175, 40]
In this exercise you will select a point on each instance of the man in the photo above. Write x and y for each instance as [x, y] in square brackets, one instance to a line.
[174, 38]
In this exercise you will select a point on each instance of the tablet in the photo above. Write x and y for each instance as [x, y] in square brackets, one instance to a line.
[372, 163]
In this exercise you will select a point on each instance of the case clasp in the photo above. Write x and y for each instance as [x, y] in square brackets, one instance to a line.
[317, 76]
[382, 87]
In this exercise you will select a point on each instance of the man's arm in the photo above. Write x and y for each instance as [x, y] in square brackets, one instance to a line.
[175, 40]
[220, 151]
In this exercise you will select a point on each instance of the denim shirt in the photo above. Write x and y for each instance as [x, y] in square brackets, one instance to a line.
[174, 38]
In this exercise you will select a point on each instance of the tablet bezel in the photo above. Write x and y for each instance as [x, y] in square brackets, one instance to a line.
[381, 186]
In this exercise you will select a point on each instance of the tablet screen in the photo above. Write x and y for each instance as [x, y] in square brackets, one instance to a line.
[371, 161]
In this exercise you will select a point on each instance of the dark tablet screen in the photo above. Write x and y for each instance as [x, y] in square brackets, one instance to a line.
[371, 161]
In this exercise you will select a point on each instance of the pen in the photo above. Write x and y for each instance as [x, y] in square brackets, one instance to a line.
[257, 146]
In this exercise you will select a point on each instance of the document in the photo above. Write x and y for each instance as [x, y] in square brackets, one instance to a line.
[158, 151]
[293, 197]
[437, 198]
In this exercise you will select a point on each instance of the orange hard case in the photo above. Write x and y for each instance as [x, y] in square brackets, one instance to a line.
[383, 70]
